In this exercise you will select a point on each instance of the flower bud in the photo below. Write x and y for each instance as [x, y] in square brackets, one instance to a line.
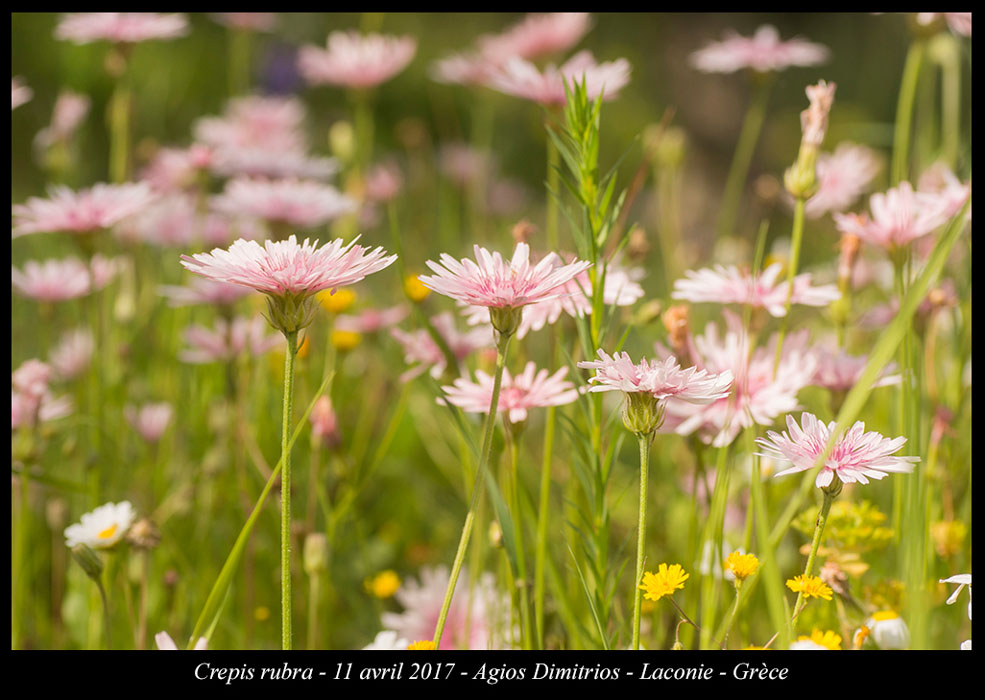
[90, 562]
[643, 413]
[414, 289]
[315, 555]
[290, 314]
[506, 319]
[342, 140]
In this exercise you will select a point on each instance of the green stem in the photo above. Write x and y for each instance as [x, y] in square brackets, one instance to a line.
[644, 441]
[542, 516]
[107, 628]
[731, 617]
[239, 61]
[796, 238]
[120, 127]
[463, 543]
[526, 629]
[822, 518]
[363, 118]
[742, 158]
[951, 106]
[285, 491]
[553, 182]
[313, 588]
[904, 112]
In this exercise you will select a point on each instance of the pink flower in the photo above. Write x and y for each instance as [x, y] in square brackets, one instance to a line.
[30, 399]
[531, 389]
[294, 202]
[174, 169]
[325, 423]
[839, 371]
[899, 217]
[421, 350]
[723, 285]
[253, 21]
[274, 123]
[662, 380]
[165, 643]
[31, 378]
[85, 211]
[486, 621]
[52, 280]
[856, 455]
[842, 177]
[538, 35]
[620, 289]
[70, 110]
[120, 27]
[356, 61]
[19, 93]
[228, 341]
[758, 397]
[493, 282]
[268, 162]
[763, 52]
[462, 163]
[280, 268]
[383, 182]
[372, 320]
[464, 69]
[203, 291]
[522, 79]
[151, 420]
[72, 355]
[939, 180]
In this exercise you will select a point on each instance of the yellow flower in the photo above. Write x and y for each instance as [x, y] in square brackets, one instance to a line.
[338, 302]
[414, 290]
[664, 582]
[303, 348]
[345, 340]
[810, 586]
[384, 584]
[262, 613]
[422, 645]
[741, 565]
[861, 634]
[827, 639]
[949, 536]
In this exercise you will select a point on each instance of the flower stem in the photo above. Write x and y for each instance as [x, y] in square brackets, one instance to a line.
[239, 61]
[644, 441]
[120, 127]
[822, 518]
[904, 112]
[542, 516]
[463, 543]
[796, 237]
[521, 563]
[285, 491]
[742, 158]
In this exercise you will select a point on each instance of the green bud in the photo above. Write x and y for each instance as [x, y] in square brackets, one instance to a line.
[90, 562]
[290, 313]
[642, 413]
[315, 553]
[342, 139]
[800, 179]
[506, 319]
[677, 646]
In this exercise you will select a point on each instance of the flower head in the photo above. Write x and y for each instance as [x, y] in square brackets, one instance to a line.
[203, 291]
[228, 341]
[299, 203]
[667, 580]
[962, 580]
[763, 52]
[253, 21]
[421, 645]
[70, 110]
[741, 565]
[356, 61]
[818, 641]
[371, 320]
[531, 389]
[842, 177]
[72, 355]
[150, 420]
[661, 380]
[387, 640]
[810, 587]
[729, 285]
[888, 630]
[855, 456]
[52, 280]
[538, 35]
[85, 211]
[165, 643]
[421, 350]
[19, 93]
[103, 527]
[384, 585]
[120, 27]
[520, 78]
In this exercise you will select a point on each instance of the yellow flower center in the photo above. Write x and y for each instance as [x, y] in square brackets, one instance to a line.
[108, 532]
[422, 645]
[384, 584]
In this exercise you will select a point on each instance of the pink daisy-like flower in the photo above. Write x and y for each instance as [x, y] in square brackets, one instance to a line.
[487, 622]
[150, 420]
[423, 353]
[494, 282]
[274, 123]
[120, 27]
[383, 182]
[72, 355]
[372, 320]
[521, 78]
[52, 280]
[325, 423]
[85, 211]
[287, 268]
[729, 285]
[356, 61]
[19, 93]
[939, 180]
[228, 341]
[70, 111]
[462, 163]
[173, 169]
[856, 455]
[763, 52]
[662, 380]
[758, 397]
[253, 21]
[31, 400]
[464, 69]
[899, 217]
[293, 202]
[842, 177]
[531, 389]
[538, 35]
[620, 289]
[267, 162]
